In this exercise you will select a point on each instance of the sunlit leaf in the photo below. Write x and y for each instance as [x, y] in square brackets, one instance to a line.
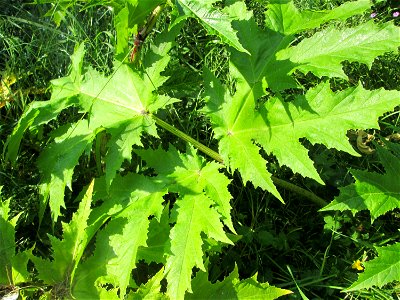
[378, 193]
[323, 53]
[381, 270]
[214, 21]
[284, 17]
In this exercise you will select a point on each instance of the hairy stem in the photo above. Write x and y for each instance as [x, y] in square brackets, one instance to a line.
[188, 139]
[280, 182]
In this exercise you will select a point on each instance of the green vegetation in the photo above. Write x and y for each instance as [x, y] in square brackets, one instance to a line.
[200, 149]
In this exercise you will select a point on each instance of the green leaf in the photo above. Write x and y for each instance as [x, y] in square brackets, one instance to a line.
[194, 216]
[206, 177]
[65, 91]
[214, 21]
[381, 270]
[323, 53]
[88, 282]
[394, 147]
[157, 58]
[150, 290]
[157, 239]
[121, 103]
[123, 32]
[193, 213]
[142, 9]
[321, 116]
[229, 116]
[7, 242]
[57, 163]
[123, 137]
[68, 251]
[120, 97]
[38, 113]
[122, 193]
[259, 67]
[378, 193]
[58, 11]
[131, 201]
[127, 133]
[233, 288]
[20, 271]
[134, 235]
[215, 186]
[13, 266]
[283, 16]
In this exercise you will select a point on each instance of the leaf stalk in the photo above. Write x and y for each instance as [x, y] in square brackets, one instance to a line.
[188, 139]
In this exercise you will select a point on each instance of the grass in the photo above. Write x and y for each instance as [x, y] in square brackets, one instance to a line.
[36, 51]
[291, 246]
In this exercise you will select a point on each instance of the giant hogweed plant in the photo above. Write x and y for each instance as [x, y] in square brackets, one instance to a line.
[133, 217]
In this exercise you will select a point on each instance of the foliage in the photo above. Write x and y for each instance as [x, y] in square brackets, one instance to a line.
[232, 288]
[378, 193]
[13, 265]
[381, 270]
[173, 207]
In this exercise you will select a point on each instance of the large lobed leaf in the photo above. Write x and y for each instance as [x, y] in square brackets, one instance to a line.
[133, 226]
[132, 200]
[381, 270]
[378, 193]
[243, 126]
[321, 116]
[185, 173]
[59, 160]
[132, 206]
[272, 58]
[88, 279]
[121, 104]
[127, 207]
[194, 211]
[194, 216]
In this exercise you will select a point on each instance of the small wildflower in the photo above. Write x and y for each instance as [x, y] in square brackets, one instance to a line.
[357, 265]
[373, 15]
[396, 14]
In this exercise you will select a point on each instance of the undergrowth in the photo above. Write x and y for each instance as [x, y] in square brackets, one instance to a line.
[116, 227]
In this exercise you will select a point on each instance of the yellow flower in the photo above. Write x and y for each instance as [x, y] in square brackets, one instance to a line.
[357, 265]
[5, 91]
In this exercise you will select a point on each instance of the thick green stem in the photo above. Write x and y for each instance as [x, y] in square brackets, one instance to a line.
[296, 189]
[188, 139]
[282, 183]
